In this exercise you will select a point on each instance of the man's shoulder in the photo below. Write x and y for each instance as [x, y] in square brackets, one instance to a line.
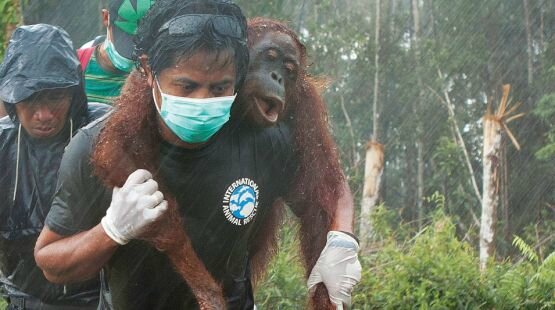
[96, 111]
[6, 126]
[8, 141]
[6, 123]
[85, 138]
[96, 124]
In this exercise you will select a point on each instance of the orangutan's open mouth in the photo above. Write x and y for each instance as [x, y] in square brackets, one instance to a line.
[270, 107]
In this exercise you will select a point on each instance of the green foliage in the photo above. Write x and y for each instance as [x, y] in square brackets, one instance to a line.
[447, 154]
[3, 304]
[509, 286]
[545, 110]
[284, 286]
[542, 284]
[438, 199]
[540, 233]
[525, 249]
[384, 221]
[9, 17]
[524, 286]
[430, 270]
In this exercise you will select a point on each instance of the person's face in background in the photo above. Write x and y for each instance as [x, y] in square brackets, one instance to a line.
[44, 114]
[112, 60]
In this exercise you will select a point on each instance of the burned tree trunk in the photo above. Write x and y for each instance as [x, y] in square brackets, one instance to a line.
[419, 126]
[375, 105]
[529, 47]
[490, 192]
[372, 178]
[495, 125]
[374, 163]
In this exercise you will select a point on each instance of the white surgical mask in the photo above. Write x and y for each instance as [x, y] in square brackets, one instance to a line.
[194, 120]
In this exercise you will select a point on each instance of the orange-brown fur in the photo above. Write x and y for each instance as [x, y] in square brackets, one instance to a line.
[130, 141]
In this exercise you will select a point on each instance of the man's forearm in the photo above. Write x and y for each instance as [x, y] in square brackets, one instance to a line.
[74, 258]
[344, 213]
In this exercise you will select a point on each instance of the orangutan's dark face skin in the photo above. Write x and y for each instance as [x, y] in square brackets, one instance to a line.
[273, 72]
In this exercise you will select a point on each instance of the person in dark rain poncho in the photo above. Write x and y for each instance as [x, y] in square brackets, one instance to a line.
[42, 87]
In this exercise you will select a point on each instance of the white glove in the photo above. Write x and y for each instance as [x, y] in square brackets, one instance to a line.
[134, 206]
[338, 268]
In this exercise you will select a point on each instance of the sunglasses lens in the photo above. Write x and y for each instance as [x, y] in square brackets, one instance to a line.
[227, 26]
[187, 25]
[193, 24]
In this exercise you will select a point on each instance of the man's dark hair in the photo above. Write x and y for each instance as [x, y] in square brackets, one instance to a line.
[165, 49]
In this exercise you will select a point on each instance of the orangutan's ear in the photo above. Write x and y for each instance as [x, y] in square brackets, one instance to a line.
[146, 70]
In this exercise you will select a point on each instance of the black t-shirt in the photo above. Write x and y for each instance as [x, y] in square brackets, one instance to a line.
[224, 191]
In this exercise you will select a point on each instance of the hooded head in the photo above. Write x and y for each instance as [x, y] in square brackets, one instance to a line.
[39, 60]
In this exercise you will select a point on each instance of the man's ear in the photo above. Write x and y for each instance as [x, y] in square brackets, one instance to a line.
[146, 70]
[105, 18]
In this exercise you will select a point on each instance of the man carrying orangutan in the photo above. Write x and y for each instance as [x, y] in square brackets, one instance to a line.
[171, 145]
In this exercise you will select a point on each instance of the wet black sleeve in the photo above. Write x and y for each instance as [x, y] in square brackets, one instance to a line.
[288, 158]
[287, 164]
[279, 154]
[80, 200]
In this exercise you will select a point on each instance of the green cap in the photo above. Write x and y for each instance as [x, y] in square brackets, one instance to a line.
[125, 16]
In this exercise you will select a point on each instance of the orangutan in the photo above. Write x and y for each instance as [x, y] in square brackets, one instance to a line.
[277, 89]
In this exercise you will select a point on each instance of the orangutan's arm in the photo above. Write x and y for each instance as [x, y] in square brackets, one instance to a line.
[344, 213]
[66, 259]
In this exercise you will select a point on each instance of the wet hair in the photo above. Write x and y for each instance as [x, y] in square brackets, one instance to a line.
[165, 50]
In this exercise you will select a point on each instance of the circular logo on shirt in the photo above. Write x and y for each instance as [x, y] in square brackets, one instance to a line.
[241, 201]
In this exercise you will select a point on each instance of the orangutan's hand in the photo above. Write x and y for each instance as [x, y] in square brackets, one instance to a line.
[135, 206]
[338, 268]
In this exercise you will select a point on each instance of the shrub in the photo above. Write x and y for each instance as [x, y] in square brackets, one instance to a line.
[284, 286]
[432, 269]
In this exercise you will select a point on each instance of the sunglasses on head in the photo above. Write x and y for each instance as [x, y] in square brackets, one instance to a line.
[192, 24]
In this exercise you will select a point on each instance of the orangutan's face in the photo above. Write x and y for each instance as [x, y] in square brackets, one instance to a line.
[273, 73]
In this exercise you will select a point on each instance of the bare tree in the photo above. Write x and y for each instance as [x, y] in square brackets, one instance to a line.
[528, 41]
[374, 164]
[419, 130]
[495, 124]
